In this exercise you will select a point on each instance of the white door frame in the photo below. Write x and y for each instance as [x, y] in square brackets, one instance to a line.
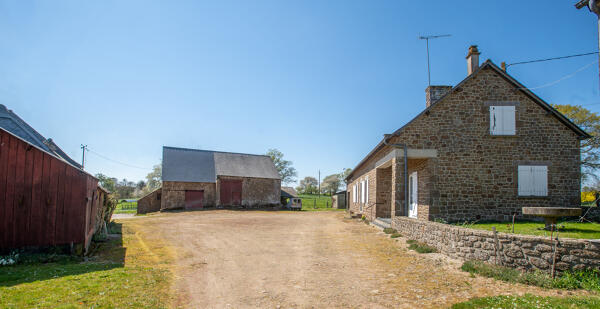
[413, 195]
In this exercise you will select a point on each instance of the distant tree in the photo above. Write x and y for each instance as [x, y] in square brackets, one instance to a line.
[140, 185]
[154, 178]
[308, 185]
[331, 184]
[343, 176]
[106, 182]
[590, 148]
[287, 172]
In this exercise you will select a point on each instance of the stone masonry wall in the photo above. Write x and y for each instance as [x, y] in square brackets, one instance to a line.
[150, 202]
[516, 251]
[257, 192]
[474, 175]
[173, 194]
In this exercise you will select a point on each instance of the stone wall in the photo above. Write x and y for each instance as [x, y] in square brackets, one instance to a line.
[150, 202]
[474, 174]
[257, 192]
[516, 251]
[173, 194]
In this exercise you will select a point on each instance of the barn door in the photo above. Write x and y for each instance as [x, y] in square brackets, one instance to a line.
[193, 199]
[231, 192]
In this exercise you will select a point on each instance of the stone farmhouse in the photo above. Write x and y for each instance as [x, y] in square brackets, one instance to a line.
[193, 178]
[480, 150]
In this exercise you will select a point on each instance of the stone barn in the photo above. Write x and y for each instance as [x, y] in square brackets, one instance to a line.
[193, 178]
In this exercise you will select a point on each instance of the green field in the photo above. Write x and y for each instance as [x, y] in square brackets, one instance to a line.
[126, 208]
[566, 229]
[312, 202]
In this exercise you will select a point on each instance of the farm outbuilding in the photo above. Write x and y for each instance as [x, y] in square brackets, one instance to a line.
[338, 200]
[150, 202]
[193, 178]
[46, 199]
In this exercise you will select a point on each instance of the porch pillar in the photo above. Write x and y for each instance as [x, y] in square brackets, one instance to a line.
[398, 187]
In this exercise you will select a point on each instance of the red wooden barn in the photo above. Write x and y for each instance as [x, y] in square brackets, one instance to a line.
[44, 199]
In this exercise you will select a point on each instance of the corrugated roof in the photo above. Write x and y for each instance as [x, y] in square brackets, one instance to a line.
[195, 165]
[12, 123]
[288, 192]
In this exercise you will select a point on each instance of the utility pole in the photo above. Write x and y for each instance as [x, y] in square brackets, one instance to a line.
[594, 7]
[427, 38]
[83, 149]
[319, 183]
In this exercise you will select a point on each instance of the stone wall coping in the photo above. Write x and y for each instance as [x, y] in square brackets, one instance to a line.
[501, 235]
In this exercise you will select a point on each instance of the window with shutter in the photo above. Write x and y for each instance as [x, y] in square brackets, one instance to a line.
[533, 180]
[367, 190]
[502, 120]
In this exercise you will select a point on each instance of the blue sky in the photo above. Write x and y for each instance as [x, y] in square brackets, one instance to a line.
[322, 81]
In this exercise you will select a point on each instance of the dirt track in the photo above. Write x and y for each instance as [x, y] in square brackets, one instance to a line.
[241, 259]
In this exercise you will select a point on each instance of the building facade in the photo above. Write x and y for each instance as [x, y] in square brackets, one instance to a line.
[194, 178]
[481, 150]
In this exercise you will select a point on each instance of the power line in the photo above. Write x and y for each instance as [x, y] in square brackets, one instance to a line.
[115, 161]
[554, 58]
[562, 78]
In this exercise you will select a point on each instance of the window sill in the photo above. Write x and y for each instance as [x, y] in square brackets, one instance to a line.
[533, 197]
[500, 135]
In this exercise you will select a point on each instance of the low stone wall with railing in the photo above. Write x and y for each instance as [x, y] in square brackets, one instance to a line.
[511, 250]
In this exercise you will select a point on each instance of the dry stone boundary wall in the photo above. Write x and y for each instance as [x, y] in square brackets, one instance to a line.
[516, 251]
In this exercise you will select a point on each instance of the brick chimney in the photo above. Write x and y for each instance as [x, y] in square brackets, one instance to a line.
[472, 59]
[434, 93]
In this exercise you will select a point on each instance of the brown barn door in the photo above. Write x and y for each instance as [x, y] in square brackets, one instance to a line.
[193, 199]
[231, 192]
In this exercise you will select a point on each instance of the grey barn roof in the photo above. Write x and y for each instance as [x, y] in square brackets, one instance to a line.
[12, 123]
[194, 165]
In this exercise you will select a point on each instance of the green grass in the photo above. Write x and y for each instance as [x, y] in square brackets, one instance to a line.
[312, 202]
[126, 208]
[395, 235]
[419, 247]
[529, 301]
[567, 229]
[109, 279]
[389, 230]
[583, 279]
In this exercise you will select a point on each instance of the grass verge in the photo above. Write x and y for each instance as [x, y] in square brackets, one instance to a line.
[583, 279]
[419, 247]
[121, 273]
[529, 301]
[566, 229]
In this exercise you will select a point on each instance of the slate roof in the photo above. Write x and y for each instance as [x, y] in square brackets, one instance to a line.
[487, 64]
[288, 192]
[17, 126]
[195, 165]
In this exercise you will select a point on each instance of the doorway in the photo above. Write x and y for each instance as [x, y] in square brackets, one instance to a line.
[413, 194]
[193, 199]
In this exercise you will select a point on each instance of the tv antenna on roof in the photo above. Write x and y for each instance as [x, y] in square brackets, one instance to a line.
[427, 38]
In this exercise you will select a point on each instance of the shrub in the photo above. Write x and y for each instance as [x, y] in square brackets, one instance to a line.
[583, 279]
[10, 259]
[395, 235]
[363, 218]
[420, 247]
[389, 230]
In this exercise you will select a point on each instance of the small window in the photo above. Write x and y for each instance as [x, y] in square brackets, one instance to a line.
[502, 120]
[533, 180]
[158, 197]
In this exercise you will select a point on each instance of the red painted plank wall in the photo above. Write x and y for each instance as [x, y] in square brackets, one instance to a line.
[43, 200]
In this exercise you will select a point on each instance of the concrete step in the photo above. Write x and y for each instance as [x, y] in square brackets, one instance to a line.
[382, 223]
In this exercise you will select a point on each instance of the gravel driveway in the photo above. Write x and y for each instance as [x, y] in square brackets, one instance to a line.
[269, 259]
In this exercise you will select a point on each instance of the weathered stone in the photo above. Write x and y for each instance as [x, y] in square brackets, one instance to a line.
[539, 263]
[543, 248]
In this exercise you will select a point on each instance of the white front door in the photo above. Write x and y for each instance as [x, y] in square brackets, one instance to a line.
[413, 193]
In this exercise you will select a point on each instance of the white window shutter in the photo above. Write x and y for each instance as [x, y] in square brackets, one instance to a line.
[525, 180]
[367, 190]
[533, 180]
[508, 120]
[494, 121]
[362, 192]
[541, 180]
